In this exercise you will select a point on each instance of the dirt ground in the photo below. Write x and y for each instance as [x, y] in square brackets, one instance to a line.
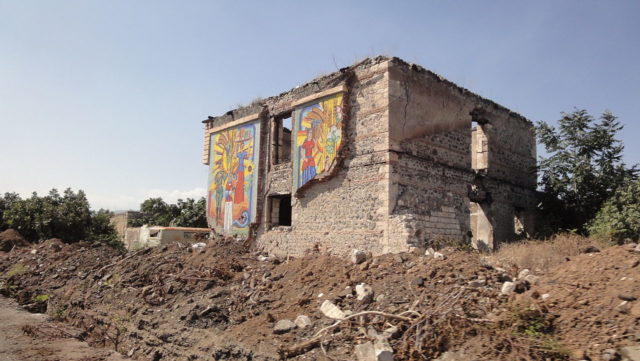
[44, 340]
[224, 301]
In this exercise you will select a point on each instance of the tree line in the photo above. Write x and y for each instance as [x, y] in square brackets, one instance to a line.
[68, 216]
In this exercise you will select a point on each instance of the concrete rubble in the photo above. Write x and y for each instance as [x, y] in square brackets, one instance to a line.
[331, 311]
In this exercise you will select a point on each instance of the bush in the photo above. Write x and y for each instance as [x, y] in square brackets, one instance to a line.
[619, 218]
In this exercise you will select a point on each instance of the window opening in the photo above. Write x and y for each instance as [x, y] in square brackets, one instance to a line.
[280, 210]
[282, 139]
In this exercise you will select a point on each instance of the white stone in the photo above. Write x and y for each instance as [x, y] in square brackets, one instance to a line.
[382, 349]
[480, 282]
[262, 258]
[438, 255]
[303, 321]
[332, 311]
[198, 245]
[430, 252]
[358, 256]
[283, 326]
[365, 352]
[524, 273]
[545, 296]
[508, 288]
[364, 292]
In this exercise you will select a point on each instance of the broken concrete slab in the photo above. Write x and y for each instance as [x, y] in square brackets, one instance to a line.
[331, 311]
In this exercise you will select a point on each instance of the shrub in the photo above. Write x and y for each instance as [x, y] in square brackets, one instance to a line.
[619, 217]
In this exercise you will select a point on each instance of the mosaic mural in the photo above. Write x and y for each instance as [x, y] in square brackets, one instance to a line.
[233, 178]
[318, 136]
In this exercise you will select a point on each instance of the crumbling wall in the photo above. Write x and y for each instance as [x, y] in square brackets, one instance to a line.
[463, 164]
[349, 210]
[430, 136]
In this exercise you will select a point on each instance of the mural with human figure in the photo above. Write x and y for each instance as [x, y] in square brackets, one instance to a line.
[233, 178]
[318, 137]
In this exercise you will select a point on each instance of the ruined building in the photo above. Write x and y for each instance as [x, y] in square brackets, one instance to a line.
[378, 156]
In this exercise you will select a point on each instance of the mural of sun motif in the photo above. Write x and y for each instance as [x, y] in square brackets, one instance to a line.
[318, 130]
[232, 178]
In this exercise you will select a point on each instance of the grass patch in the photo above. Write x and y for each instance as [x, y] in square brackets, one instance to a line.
[541, 255]
[16, 269]
[41, 298]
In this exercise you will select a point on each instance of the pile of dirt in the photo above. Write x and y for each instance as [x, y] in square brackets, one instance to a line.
[593, 297]
[11, 239]
[225, 302]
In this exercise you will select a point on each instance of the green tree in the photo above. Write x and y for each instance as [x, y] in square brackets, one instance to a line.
[185, 213]
[619, 218]
[103, 231]
[192, 213]
[66, 216]
[6, 202]
[583, 169]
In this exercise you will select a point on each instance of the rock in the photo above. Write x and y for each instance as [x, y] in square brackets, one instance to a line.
[283, 326]
[480, 282]
[262, 258]
[364, 292]
[624, 307]
[365, 352]
[418, 251]
[545, 296]
[418, 281]
[430, 252]
[508, 288]
[610, 355]
[332, 311]
[358, 256]
[383, 350]
[398, 258]
[590, 249]
[379, 298]
[523, 274]
[303, 321]
[439, 256]
[631, 352]
[532, 279]
[637, 249]
[627, 297]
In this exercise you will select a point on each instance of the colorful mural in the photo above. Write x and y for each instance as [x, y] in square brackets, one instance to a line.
[233, 178]
[318, 137]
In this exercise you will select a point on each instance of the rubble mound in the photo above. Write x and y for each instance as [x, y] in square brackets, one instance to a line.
[224, 301]
[10, 239]
[594, 299]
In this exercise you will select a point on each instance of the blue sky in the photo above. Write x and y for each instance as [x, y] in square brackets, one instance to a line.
[107, 96]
